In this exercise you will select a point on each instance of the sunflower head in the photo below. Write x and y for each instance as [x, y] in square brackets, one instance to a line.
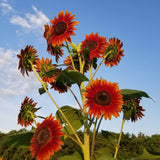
[62, 28]
[46, 140]
[27, 112]
[26, 55]
[95, 44]
[53, 50]
[46, 70]
[113, 52]
[132, 110]
[103, 98]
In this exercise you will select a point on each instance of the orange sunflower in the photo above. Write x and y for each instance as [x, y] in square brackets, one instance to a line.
[56, 51]
[62, 28]
[46, 140]
[114, 52]
[103, 98]
[29, 53]
[25, 117]
[132, 110]
[96, 45]
[46, 70]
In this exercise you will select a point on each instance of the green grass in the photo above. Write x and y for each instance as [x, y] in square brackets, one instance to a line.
[147, 156]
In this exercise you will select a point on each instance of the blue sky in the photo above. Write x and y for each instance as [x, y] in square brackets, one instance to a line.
[136, 23]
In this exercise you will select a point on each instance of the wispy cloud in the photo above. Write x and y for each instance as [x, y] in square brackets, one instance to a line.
[6, 7]
[12, 83]
[31, 21]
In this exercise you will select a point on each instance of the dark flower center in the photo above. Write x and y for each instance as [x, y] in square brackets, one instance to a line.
[102, 98]
[91, 45]
[60, 28]
[43, 136]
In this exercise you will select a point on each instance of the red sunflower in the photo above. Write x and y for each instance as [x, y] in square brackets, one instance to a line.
[62, 28]
[56, 50]
[114, 52]
[29, 53]
[46, 70]
[103, 98]
[96, 45]
[132, 110]
[46, 140]
[25, 117]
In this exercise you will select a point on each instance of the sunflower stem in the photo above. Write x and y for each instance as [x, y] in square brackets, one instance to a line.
[75, 97]
[33, 117]
[118, 143]
[55, 104]
[98, 68]
[90, 71]
[67, 46]
[74, 140]
[98, 125]
[93, 139]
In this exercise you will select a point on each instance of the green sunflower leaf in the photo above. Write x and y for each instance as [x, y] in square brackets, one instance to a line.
[73, 115]
[130, 93]
[74, 156]
[70, 77]
[42, 90]
[51, 72]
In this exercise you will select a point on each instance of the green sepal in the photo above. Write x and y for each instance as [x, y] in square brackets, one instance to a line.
[70, 77]
[73, 115]
[127, 114]
[131, 93]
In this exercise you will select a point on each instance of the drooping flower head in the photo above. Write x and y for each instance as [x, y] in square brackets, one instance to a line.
[95, 44]
[103, 98]
[46, 70]
[46, 140]
[62, 28]
[53, 50]
[27, 112]
[29, 53]
[114, 52]
[132, 110]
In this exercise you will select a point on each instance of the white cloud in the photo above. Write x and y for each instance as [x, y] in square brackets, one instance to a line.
[12, 83]
[31, 21]
[20, 21]
[6, 7]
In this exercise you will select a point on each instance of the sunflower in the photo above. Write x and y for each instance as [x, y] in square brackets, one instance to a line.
[46, 140]
[95, 44]
[53, 50]
[29, 53]
[132, 110]
[46, 70]
[114, 52]
[103, 98]
[62, 28]
[27, 112]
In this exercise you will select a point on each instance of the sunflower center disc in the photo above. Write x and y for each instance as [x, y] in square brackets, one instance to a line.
[43, 136]
[102, 98]
[91, 45]
[60, 28]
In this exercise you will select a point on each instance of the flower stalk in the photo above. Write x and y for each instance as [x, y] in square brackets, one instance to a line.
[118, 143]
